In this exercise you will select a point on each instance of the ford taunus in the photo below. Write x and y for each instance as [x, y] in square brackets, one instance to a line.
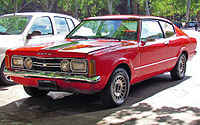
[103, 55]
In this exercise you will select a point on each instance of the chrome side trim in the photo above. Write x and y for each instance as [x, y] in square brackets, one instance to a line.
[155, 63]
[52, 76]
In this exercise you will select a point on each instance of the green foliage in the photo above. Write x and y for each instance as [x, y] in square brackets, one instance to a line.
[86, 8]
[195, 7]
[7, 6]
[167, 8]
[172, 9]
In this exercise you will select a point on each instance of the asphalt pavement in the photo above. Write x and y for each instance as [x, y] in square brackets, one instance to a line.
[159, 100]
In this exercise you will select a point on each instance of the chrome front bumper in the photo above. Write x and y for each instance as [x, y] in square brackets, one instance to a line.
[52, 76]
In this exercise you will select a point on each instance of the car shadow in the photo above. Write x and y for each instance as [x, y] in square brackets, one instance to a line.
[78, 109]
[152, 86]
[4, 87]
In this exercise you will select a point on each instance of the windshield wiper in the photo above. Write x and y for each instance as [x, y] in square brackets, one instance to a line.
[105, 37]
[4, 33]
[77, 37]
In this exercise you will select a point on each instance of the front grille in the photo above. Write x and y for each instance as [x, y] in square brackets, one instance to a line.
[46, 64]
[40, 64]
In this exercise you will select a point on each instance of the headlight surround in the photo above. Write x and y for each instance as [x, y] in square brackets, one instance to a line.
[78, 65]
[17, 61]
[65, 65]
[28, 63]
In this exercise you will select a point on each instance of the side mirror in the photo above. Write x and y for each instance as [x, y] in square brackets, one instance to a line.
[34, 33]
[143, 42]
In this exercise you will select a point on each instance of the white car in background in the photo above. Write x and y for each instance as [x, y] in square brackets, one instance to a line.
[21, 29]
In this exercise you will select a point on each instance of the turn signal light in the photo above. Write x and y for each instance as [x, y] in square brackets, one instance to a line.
[92, 71]
[7, 64]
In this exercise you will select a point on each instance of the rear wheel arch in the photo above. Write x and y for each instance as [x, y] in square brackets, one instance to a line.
[178, 72]
[183, 50]
[185, 53]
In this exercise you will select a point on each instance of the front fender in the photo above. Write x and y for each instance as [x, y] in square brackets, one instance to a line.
[117, 63]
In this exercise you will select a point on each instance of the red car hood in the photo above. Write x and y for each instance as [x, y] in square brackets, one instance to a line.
[81, 46]
[71, 48]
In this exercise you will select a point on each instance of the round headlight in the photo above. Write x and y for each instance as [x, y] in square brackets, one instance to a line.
[64, 64]
[28, 63]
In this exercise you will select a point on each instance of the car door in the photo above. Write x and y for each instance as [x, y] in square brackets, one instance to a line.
[63, 26]
[41, 31]
[154, 50]
[173, 41]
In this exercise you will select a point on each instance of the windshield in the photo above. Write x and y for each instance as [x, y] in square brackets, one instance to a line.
[13, 24]
[116, 29]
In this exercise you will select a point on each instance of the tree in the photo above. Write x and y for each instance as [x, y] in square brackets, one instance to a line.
[110, 6]
[9, 6]
[147, 7]
[15, 5]
[188, 10]
[195, 7]
[47, 5]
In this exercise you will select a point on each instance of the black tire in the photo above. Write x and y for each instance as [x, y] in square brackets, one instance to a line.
[117, 89]
[178, 72]
[35, 92]
[5, 80]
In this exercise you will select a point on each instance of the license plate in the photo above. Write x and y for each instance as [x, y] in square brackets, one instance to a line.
[45, 84]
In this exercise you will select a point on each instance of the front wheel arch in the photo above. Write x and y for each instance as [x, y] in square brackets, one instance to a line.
[125, 67]
[4, 80]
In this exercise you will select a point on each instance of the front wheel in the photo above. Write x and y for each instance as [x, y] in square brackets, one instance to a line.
[117, 89]
[35, 92]
[5, 80]
[178, 72]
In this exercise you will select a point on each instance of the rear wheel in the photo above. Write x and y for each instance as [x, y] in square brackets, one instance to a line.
[178, 72]
[117, 89]
[35, 92]
[3, 78]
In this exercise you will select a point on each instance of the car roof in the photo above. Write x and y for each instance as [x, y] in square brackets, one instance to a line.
[125, 17]
[37, 14]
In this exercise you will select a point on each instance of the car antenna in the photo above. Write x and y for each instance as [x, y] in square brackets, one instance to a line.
[23, 6]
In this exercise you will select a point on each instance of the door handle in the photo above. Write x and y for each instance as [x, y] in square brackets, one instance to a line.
[166, 43]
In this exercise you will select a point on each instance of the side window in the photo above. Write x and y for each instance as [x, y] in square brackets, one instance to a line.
[167, 29]
[61, 25]
[151, 30]
[43, 25]
[70, 23]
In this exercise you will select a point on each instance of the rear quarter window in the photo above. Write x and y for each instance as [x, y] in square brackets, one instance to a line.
[151, 30]
[168, 29]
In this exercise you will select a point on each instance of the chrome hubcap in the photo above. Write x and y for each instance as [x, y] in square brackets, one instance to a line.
[119, 89]
[182, 65]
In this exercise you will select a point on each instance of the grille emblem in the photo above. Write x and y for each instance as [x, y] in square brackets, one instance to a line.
[44, 64]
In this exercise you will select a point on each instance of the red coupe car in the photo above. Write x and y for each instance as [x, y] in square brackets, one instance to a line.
[104, 55]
